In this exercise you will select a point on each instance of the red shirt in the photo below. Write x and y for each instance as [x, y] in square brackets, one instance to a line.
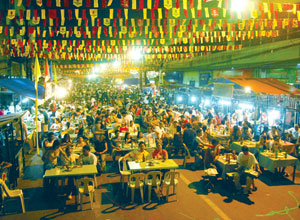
[159, 153]
[124, 129]
[138, 112]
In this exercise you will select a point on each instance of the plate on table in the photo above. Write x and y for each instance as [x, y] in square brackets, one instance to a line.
[233, 161]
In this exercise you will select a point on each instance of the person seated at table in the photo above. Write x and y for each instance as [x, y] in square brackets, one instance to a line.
[98, 128]
[87, 158]
[160, 153]
[49, 142]
[101, 148]
[178, 141]
[69, 158]
[261, 145]
[140, 137]
[211, 154]
[132, 128]
[80, 143]
[246, 132]
[274, 132]
[140, 155]
[246, 161]
[123, 128]
[50, 156]
[293, 133]
[56, 127]
[66, 141]
[200, 139]
[265, 132]
[236, 134]
[276, 145]
[128, 139]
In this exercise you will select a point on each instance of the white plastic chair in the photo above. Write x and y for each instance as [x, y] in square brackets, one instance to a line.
[123, 171]
[11, 194]
[136, 181]
[170, 179]
[86, 186]
[153, 179]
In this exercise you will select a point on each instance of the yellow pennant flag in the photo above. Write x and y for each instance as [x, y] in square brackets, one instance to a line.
[54, 75]
[37, 71]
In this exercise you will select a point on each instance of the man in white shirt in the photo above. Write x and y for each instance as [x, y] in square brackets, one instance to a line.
[87, 158]
[127, 119]
[160, 130]
[246, 161]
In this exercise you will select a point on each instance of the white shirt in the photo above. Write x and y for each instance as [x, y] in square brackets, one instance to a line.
[91, 159]
[248, 161]
[127, 119]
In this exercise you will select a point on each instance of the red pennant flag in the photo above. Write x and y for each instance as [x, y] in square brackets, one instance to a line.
[156, 4]
[119, 13]
[192, 3]
[177, 3]
[28, 3]
[35, 14]
[52, 13]
[70, 14]
[47, 73]
[84, 14]
[272, 7]
[166, 13]
[199, 13]
[141, 5]
[152, 14]
[186, 14]
[48, 3]
[276, 15]
[66, 3]
[104, 5]
[88, 3]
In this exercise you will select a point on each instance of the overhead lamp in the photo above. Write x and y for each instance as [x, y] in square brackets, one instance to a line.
[61, 92]
[117, 64]
[206, 102]
[247, 89]
[179, 98]
[193, 99]
[239, 5]
[25, 100]
[135, 54]
[224, 102]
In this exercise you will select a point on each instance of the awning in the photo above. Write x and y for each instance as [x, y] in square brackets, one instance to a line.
[224, 80]
[24, 87]
[131, 81]
[266, 85]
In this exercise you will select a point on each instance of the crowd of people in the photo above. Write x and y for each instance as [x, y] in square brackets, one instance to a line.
[97, 116]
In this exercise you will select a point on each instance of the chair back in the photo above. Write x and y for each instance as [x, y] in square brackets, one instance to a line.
[122, 165]
[170, 177]
[5, 191]
[137, 178]
[187, 151]
[155, 176]
[85, 182]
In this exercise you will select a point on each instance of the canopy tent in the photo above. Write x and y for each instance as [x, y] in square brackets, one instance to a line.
[224, 80]
[131, 81]
[266, 85]
[23, 87]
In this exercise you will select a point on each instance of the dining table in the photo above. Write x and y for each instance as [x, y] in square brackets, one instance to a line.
[226, 166]
[137, 166]
[237, 146]
[77, 171]
[269, 161]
